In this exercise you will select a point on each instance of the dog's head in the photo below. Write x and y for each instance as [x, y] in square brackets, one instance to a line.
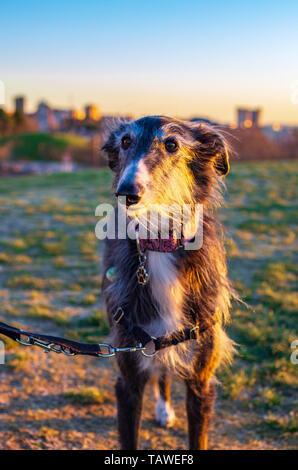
[160, 160]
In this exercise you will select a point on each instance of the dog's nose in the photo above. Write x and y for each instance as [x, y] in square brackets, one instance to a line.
[131, 191]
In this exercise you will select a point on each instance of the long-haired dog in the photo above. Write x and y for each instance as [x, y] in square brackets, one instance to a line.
[159, 160]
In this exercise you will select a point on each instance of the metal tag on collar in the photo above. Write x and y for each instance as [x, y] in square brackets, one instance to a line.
[142, 274]
[112, 274]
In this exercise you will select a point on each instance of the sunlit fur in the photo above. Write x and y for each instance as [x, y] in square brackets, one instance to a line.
[185, 287]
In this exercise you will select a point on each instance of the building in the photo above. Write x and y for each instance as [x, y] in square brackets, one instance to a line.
[62, 115]
[241, 117]
[255, 117]
[92, 112]
[19, 104]
[45, 117]
[247, 118]
[50, 119]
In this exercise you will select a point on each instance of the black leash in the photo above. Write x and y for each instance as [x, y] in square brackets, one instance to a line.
[68, 347]
[49, 343]
[162, 341]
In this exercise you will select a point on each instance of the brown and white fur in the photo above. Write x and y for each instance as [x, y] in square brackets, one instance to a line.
[159, 160]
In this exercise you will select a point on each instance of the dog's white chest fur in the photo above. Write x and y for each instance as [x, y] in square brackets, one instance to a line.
[167, 291]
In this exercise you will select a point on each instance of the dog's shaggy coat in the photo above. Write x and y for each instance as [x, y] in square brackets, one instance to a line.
[163, 160]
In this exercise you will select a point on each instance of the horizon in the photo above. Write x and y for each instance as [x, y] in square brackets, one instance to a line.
[161, 58]
[55, 107]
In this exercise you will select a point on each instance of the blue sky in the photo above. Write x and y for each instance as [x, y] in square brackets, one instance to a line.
[136, 57]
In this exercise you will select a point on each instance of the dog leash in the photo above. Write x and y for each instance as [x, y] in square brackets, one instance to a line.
[144, 339]
[68, 347]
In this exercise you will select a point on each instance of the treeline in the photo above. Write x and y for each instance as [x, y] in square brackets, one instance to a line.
[249, 144]
[16, 123]
[255, 145]
[51, 147]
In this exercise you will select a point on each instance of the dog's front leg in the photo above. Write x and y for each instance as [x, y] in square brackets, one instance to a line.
[199, 403]
[129, 393]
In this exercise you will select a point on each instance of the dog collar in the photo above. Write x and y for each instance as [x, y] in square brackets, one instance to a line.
[161, 245]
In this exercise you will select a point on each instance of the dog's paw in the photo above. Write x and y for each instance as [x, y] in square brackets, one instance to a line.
[164, 413]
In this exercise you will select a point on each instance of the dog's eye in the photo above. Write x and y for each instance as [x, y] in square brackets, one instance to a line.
[126, 142]
[171, 145]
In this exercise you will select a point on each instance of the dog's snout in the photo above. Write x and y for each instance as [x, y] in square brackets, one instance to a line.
[131, 191]
[132, 199]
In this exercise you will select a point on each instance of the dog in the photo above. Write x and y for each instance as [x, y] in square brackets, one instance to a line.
[160, 160]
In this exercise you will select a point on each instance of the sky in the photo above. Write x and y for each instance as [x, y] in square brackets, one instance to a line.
[180, 58]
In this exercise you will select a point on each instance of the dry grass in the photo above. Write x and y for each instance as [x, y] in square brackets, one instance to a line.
[50, 275]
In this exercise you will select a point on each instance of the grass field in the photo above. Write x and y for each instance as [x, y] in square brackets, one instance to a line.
[41, 146]
[50, 277]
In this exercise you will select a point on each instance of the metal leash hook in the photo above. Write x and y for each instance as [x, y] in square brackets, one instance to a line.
[111, 350]
[107, 349]
[47, 347]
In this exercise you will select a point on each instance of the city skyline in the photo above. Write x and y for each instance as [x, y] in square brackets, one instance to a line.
[157, 58]
[245, 117]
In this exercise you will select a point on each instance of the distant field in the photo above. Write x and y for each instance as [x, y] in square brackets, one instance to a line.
[43, 146]
[50, 278]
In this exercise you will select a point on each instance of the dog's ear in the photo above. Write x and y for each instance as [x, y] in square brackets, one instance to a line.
[213, 147]
[222, 160]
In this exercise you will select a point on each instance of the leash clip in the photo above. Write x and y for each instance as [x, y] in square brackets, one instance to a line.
[109, 351]
[47, 347]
